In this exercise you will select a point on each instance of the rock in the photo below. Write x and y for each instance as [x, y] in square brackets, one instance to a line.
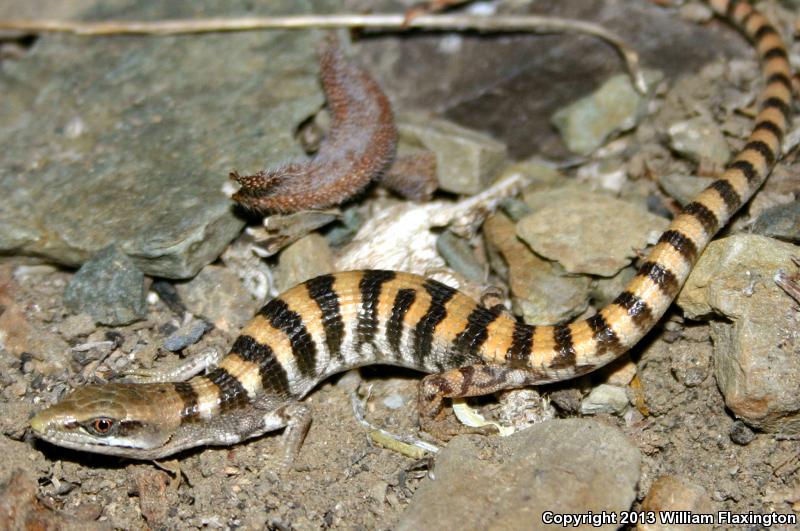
[620, 372]
[781, 222]
[129, 141]
[217, 294]
[156, 498]
[342, 233]
[460, 256]
[698, 13]
[615, 106]
[605, 398]
[741, 434]
[607, 174]
[684, 188]
[466, 161]
[21, 509]
[186, 335]
[308, 257]
[75, 326]
[700, 140]
[564, 227]
[535, 171]
[691, 361]
[672, 493]
[604, 290]
[755, 347]
[562, 466]
[539, 292]
[109, 287]
[514, 208]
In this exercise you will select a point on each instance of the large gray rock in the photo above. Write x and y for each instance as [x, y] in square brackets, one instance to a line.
[755, 347]
[562, 466]
[130, 140]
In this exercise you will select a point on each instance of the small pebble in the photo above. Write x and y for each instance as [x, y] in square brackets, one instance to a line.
[699, 139]
[605, 399]
[76, 326]
[781, 222]
[741, 433]
[186, 335]
[109, 287]
[459, 255]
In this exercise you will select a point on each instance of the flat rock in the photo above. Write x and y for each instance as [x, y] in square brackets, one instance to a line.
[308, 257]
[781, 221]
[466, 160]
[755, 346]
[673, 493]
[587, 232]
[699, 139]
[684, 188]
[605, 398]
[109, 287]
[459, 254]
[130, 140]
[615, 106]
[539, 292]
[563, 466]
[218, 295]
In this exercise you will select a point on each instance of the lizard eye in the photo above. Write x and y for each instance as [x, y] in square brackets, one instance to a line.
[101, 425]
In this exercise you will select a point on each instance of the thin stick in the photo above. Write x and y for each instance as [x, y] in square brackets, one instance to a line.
[458, 22]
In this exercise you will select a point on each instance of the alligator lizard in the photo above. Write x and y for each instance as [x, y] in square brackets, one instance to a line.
[340, 321]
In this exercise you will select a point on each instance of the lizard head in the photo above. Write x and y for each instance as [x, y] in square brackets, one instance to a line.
[132, 420]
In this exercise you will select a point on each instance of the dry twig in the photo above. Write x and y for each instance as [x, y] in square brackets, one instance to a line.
[455, 22]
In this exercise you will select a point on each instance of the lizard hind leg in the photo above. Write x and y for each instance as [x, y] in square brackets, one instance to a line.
[462, 382]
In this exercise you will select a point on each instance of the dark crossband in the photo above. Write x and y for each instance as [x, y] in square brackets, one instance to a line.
[702, 214]
[746, 168]
[763, 31]
[471, 339]
[232, 393]
[726, 191]
[638, 310]
[273, 376]
[680, 243]
[321, 290]
[423, 332]
[279, 315]
[562, 335]
[661, 277]
[767, 125]
[518, 355]
[189, 397]
[394, 327]
[777, 103]
[605, 337]
[370, 287]
[780, 77]
[731, 9]
[763, 149]
[772, 53]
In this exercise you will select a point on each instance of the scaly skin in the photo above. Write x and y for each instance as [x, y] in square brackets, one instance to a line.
[345, 320]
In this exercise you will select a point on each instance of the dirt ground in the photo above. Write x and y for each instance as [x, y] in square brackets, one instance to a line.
[341, 479]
